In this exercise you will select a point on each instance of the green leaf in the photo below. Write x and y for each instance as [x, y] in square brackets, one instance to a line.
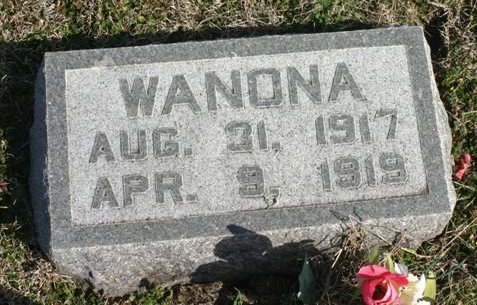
[307, 283]
[431, 288]
[389, 263]
[373, 256]
[239, 298]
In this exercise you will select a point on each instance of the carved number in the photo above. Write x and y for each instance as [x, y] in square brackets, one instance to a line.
[251, 181]
[241, 139]
[348, 172]
[394, 168]
[382, 113]
[341, 128]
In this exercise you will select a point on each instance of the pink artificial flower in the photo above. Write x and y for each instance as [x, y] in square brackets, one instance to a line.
[462, 166]
[379, 286]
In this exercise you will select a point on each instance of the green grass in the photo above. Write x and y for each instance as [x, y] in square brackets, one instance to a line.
[30, 28]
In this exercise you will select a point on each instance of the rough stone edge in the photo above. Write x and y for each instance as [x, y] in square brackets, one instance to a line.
[38, 179]
[175, 262]
[442, 121]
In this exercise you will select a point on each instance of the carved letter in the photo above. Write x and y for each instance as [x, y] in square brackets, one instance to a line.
[213, 84]
[126, 151]
[101, 147]
[311, 88]
[168, 181]
[137, 95]
[180, 93]
[277, 96]
[133, 184]
[165, 148]
[343, 80]
[104, 194]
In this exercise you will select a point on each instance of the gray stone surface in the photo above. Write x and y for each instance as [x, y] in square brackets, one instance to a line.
[214, 160]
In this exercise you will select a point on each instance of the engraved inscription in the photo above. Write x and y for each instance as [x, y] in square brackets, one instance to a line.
[276, 146]
[382, 113]
[370, 171]
[240, 136]
[270, 76]
[101, 148]
[262, 135]
[364, 129]
[320, 131]
[133, 184]
[127, 152]
[104, 194]
[139, 100]
[348, 171]
[165, 184]
[251, 181]
[341, 128]
[180, 94]
[223, 135]
[169, 182]
[136, 96]
[394, 167]
[325, 176]
[312, 88]
[172, 183]
[214, 84]
[164, 143]
[344, 81]
[188, 151]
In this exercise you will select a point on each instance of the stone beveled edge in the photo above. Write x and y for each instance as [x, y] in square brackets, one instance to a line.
[51, 193]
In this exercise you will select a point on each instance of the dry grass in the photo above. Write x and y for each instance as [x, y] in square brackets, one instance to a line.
[29, 28]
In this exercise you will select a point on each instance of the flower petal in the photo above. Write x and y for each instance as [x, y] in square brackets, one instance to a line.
[398, 280]
[400, 268]
[391, 294]
[367, 291]
[372, 271]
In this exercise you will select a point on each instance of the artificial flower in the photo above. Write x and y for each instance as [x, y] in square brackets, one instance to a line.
[414, 291]
[462, 166]
[379, 286]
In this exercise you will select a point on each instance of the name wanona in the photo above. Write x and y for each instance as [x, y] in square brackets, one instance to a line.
[136, 97]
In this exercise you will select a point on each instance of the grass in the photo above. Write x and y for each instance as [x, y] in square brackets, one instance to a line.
[31, 27]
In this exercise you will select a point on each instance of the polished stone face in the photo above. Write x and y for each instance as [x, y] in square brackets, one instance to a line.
[213, 160]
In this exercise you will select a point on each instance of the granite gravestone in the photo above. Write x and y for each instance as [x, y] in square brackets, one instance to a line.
[194, 161]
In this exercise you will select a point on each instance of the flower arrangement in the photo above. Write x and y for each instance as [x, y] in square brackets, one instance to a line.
[392, 284]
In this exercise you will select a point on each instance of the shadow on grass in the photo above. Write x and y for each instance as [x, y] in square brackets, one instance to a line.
[250, 263]
[246, 255]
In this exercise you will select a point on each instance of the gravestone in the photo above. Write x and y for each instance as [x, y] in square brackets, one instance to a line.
[213, 160]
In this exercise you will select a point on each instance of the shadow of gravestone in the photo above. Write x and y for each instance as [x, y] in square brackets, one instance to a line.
[247, 254]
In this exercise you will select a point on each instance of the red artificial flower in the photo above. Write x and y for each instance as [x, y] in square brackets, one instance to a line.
[379, 286]
[462, 166]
